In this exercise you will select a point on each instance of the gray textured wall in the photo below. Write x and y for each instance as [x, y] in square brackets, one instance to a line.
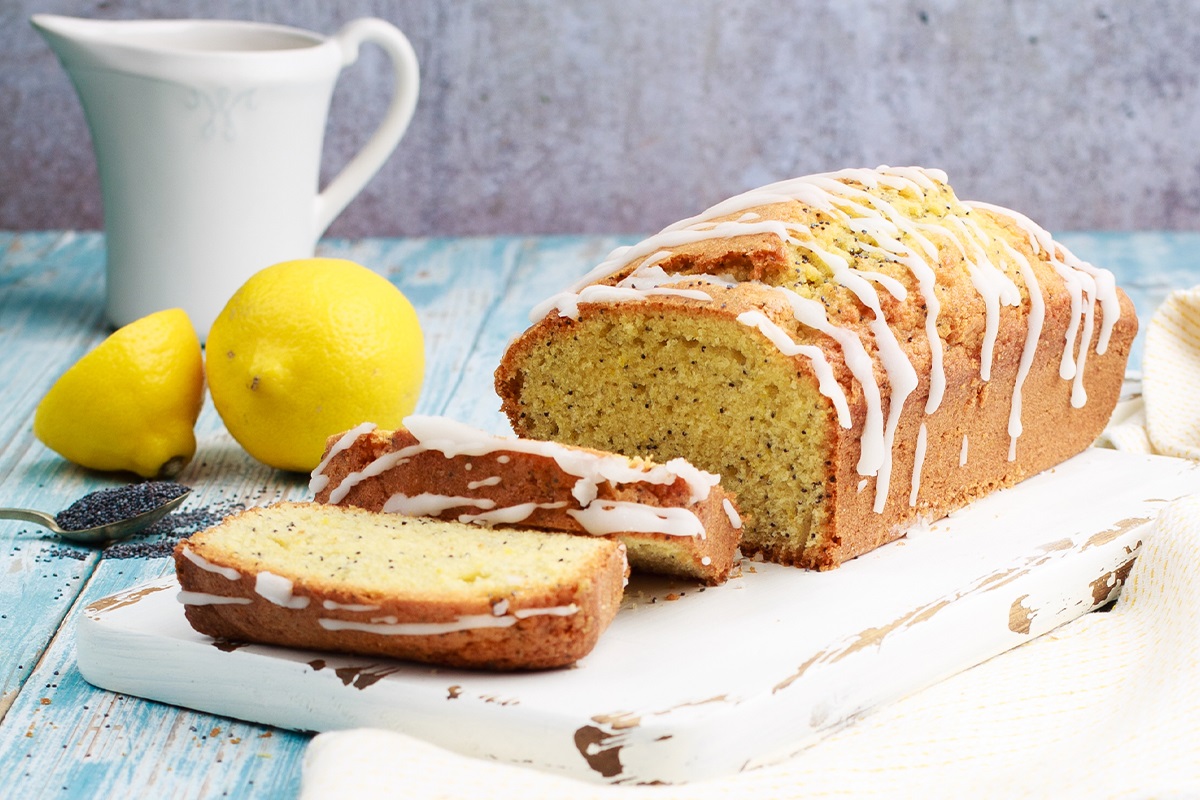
[539, 116]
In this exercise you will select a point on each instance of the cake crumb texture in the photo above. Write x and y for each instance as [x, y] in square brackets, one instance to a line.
[831, 346]
[355, 581]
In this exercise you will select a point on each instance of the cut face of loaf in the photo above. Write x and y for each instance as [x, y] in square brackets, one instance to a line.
[344, 579]
[851, 352]
[673, 518]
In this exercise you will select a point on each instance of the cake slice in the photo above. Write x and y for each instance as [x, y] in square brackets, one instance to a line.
[673, 518]
[331, 578]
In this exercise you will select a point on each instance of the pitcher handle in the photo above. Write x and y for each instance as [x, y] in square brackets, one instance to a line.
[354, 176]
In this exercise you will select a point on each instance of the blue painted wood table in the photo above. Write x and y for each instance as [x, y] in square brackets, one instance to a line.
[61, 737]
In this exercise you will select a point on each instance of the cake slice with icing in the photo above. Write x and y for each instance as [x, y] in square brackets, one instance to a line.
[330, 578]
[852, 351]
[673, 518]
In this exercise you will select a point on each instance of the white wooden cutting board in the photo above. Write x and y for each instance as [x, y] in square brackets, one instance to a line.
[691, 683]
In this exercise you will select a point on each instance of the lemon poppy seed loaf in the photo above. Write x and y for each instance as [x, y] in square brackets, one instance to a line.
[852, 352]
[673, 518]
[345, 579]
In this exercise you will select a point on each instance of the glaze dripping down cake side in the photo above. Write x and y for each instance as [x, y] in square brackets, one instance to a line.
[673, 518]
[851, 352]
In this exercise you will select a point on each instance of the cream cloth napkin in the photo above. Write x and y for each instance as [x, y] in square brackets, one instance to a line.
[1107, 706]
[1165, 419]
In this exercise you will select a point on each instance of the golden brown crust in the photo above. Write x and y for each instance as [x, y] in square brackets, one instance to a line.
[973, 409]
[1053, 431]
[537, 479]
[537, 641]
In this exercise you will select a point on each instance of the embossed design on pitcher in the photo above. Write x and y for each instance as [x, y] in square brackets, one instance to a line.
[220, 104]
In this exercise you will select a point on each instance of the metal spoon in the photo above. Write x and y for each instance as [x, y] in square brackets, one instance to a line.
[111, 532]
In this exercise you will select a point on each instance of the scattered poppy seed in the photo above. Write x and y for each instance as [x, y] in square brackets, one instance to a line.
[159, 540]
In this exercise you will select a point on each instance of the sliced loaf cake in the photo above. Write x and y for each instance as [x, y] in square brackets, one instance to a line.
[852, 352]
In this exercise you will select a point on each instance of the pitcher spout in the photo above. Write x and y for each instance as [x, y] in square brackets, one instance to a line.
[76, 40]
[69, 27]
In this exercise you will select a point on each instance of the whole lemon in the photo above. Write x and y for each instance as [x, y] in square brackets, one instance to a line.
[131, 403]
[309, 348]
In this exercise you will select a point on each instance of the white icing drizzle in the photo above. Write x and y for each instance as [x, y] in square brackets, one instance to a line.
[648, 280]
[330, 605]
[614, 516]
[1105, 290]
[811, 313]
[706, 561]
[376, 467]
[278, 590]
[1036, 319]
[820, 191]
[699, 482]
[203, 599]
[1086, 285]
[1059, 256]
[962, 454]
[882, 222]
[657, 247]
[229, 573]
[553, 611]
[922, 176]
[430, 505]
[453, 438]
[994, 287]
[826, 381]
[649, 277]
[1078, 395]
[319, 480]
[735, 519]
[384, 628]
[492, 481]
[918, 464]
[901, 376]
[508, 515]
[387, 626]
[567, 303]
[894, 287]
[900, 372]
[873, 218]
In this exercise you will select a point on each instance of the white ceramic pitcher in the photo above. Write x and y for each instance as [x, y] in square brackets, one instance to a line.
[208, 138]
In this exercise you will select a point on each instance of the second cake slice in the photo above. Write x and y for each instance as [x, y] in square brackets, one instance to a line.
[673, 518]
